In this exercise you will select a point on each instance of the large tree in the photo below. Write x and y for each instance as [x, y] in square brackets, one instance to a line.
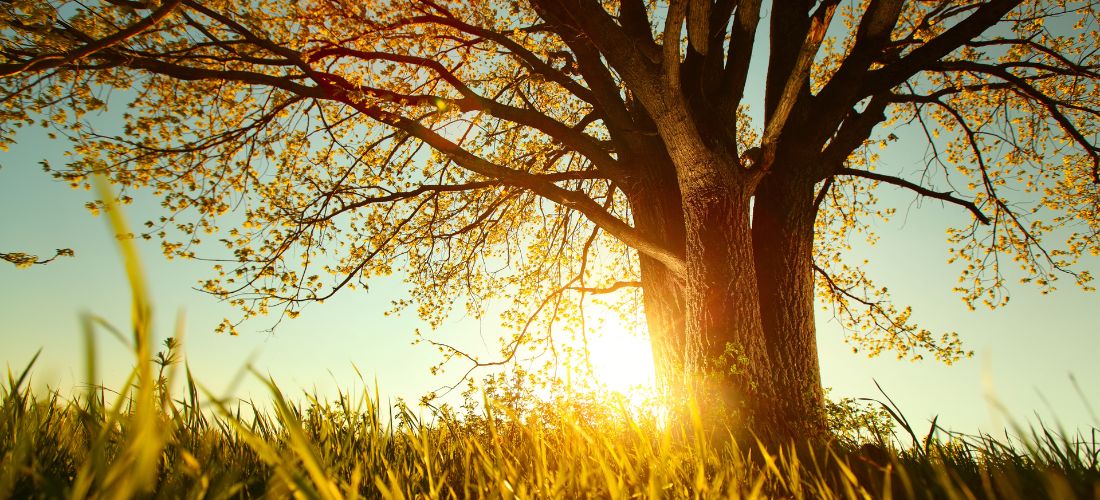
[717, 155]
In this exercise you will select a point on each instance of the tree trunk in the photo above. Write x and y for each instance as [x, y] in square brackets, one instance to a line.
[724, 338]
[706, 328]
[782, 234]
[655, 204]
[737, 331]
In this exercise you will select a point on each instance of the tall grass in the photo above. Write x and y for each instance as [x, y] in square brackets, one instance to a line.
[351, 447]
[146, 441]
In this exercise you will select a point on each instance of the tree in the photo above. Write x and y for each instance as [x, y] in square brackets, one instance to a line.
[25, 260]
[545, 150]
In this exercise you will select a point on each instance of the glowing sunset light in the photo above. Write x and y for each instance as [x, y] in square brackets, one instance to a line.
[622, 360]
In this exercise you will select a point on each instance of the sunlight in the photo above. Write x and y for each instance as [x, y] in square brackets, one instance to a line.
[621, 358]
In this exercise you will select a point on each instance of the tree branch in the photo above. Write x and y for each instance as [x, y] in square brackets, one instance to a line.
[25, 260]
[1024, 89]
[739, 54]
[565, 197]
[56, 60]
[526, 57]
[893, 74]
[440, 188]
[796, 80]
[618, 285]
[472, 101]
[945, 196]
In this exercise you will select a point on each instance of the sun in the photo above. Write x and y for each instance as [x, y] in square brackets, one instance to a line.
[620, 354]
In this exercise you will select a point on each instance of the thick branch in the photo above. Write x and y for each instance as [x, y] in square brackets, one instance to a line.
[524, 56]
[634, 19]
[635, 58]
[855, 129]
[739, 54]
[842, 91]
[191, 73]
[797, 79]
[57, 60]
[966, 30]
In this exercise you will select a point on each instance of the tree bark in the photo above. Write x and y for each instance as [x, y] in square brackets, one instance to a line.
[705, 327]
[655, 204]
[724, 336]
[664, 314]
[782, 235]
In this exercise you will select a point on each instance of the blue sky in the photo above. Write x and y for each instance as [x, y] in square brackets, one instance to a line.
[1025, 353]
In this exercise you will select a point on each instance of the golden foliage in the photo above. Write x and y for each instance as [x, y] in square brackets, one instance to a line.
[465, 146]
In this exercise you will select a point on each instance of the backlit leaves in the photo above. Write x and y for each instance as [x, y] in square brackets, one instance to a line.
[308, 147]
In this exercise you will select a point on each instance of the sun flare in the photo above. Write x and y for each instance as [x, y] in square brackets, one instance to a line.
[620, 355]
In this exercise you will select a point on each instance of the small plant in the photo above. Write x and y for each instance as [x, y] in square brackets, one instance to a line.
[854, 422]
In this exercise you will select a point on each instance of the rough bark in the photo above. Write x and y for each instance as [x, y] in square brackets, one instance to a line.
[657, 213]
[706, 328]
[664, 311]
[723, 328]
[782, 233]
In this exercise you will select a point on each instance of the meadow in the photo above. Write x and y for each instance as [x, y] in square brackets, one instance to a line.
[146, 439]
[146, 442]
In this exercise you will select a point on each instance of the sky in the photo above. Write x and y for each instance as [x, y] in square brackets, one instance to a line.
[1034, 358]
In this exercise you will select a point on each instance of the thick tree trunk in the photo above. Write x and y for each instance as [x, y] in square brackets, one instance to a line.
[782, 234]
[657, 213]
[724, 338]
[706, 328]
[737, 330]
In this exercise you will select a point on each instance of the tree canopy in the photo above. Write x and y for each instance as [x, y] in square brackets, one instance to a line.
[717, 156]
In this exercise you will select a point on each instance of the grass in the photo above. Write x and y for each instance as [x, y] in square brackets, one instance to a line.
[146, 441]
[351, 447]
